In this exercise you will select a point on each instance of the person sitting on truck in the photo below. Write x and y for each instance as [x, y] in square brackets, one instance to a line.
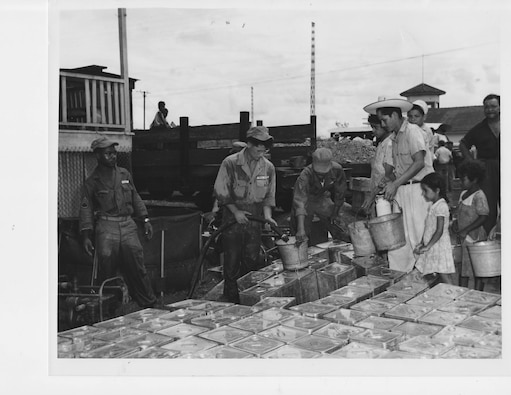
[244, 187]
[319, 191]
[160, 119]
[382, 170]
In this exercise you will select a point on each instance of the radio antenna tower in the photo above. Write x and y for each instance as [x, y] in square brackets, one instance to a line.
[313, 73]
[252, 105]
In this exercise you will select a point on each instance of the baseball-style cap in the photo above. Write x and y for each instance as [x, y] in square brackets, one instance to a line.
[102, 142]
[322, 160]
[422, 104]
[260, 133]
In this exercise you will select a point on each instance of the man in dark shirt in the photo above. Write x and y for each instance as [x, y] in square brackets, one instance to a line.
[109, 200]
[485, 136]
[319, 190]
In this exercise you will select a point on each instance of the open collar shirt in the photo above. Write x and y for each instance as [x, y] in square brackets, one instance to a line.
[405, 143]
[236, 183]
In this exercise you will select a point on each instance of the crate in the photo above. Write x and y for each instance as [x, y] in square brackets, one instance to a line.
[334, 276]
[306, 285]
[383, 271]
[252, 278]
[363, 264]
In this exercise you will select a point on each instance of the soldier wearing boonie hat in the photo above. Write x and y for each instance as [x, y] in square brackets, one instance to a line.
[245, 185]
[319, 191]
[409, 153]
[109, 201]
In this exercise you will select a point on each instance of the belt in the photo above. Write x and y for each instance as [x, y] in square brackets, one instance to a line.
[114, 219]
[412, 182]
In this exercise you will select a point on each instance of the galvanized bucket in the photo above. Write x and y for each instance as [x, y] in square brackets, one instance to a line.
[361, 238]
[388, 231]
[294, 257]
[485, 257]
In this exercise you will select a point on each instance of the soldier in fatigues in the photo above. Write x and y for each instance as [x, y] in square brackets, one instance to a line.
[109, 200]
[245, 185]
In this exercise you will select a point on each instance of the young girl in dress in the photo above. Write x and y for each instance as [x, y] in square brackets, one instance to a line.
[435, 251]
[472, 212]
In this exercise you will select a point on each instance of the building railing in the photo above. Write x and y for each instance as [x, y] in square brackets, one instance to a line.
[89, 101]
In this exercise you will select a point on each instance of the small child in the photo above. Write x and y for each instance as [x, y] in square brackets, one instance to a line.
[435, 251]
[472, 212]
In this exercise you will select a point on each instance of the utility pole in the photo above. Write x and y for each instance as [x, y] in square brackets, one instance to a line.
[313, 72]
[252, 105]
[144, 94]
[123, 45]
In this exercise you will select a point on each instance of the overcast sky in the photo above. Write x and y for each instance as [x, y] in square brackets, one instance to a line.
[203, 62]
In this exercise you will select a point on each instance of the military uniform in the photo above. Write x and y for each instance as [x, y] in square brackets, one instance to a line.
[250, 186]
[109, 200]
[313, 197]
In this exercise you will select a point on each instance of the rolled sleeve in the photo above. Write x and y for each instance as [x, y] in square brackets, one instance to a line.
[269, 199]
[223, 185]
[300, 193]
[416, 141]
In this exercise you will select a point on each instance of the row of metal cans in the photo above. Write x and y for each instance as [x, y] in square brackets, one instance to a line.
[261, 334]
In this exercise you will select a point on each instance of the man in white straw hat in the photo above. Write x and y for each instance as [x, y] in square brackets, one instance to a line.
[408, 154]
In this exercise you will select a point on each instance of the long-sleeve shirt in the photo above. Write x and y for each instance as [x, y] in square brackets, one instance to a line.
[109, 193]
[237, 184]
[309, 186]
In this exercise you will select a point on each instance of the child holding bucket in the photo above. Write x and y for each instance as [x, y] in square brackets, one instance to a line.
[473, 211]
[435, 251]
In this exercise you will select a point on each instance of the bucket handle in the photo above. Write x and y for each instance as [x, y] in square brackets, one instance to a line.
[398, 205]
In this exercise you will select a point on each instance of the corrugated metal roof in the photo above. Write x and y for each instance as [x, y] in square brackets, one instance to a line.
[422, 89]
[462, 119]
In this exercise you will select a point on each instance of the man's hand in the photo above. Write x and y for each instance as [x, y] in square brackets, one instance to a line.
[87, 246]
[368, 202]
[271, 221]
[301, 236]
[390, 191]
[148, 230]
[241, 217]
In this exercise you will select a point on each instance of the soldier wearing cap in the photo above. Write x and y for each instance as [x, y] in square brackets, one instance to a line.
[244, 186]
[409, 151]
[109, 201]
[319, 191]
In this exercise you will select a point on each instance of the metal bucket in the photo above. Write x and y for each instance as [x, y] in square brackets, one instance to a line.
[361, 238]
[485, 257]
[293, 257]
[388, 231]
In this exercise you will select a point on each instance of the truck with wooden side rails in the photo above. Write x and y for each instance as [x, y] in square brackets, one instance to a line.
[186, 158]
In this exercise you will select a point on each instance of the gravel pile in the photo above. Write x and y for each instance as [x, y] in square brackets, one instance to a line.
[348, 150]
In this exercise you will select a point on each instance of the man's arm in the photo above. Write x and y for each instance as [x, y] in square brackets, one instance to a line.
[418, 164]
[86, 219]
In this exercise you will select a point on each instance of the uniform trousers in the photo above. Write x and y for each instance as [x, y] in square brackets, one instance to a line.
[119, 250]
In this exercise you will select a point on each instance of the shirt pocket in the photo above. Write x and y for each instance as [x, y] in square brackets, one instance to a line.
[262, 183]
[105, 199]
[127, 191]
[240, 188]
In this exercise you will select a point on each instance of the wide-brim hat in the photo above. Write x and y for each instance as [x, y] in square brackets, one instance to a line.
[402, 104]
